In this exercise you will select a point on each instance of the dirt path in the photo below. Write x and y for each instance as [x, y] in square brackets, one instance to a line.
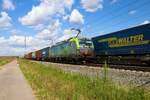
[13, 85]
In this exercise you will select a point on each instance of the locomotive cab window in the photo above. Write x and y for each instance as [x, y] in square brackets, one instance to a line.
[86, 43]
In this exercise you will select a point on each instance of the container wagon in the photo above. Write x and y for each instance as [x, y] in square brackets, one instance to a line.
[29, 55]
[38, 55]
[26, 56]
[45, 53]
[126, 46]
[33, 55]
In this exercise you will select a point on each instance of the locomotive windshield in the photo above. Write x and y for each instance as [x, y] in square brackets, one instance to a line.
[86, 43]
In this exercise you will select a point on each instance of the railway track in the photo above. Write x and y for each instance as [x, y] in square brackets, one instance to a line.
[143, 68]
[136, 68]
[124, 67]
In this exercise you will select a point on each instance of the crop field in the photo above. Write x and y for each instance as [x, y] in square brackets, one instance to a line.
[49, 83]
[5, 60]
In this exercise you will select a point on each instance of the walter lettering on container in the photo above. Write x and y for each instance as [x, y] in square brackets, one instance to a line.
[126, 41]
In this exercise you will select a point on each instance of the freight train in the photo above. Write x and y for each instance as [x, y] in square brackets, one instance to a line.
[73, 49]
[129, 46]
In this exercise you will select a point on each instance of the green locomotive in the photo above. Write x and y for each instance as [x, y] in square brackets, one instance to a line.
[72, 49]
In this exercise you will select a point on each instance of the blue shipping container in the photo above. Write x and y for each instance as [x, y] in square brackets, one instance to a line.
[134, 40]
[45, 53]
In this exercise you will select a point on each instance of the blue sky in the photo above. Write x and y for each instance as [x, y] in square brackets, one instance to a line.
[44, 21]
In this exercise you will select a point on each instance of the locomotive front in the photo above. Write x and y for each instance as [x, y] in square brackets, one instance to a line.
[86, 47]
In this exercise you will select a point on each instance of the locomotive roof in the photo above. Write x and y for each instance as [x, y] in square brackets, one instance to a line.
[61, 42]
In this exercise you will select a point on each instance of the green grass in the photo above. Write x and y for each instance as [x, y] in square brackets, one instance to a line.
[5, 60]
[54, 84]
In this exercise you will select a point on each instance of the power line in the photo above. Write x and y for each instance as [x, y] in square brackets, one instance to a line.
[120, 23]
[105, 17]
[97, 22]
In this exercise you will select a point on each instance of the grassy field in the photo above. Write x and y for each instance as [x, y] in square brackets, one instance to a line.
[53, 84]
[5, 60]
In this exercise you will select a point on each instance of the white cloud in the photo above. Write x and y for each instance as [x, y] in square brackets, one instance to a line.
[67, 31]
[66, 17]
[50, 31]
[54, 33]
[11, 51]
[5, 20]
[68, 3]
[8, 5]
[38, 27]
[132, 12]
[92, 5]
[66, 35]
[2, 41]
[45, 10]
[145, 22]
[76, 17]
[8, 46]
[14, 45]
[16, 40]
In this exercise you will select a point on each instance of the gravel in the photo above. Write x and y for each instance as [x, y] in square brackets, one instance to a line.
[119, 76]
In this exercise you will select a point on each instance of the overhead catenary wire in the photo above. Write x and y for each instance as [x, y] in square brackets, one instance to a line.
[120, 23]
[95, 24]
[118, 12]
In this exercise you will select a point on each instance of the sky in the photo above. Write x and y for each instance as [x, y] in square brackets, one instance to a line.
[42, 23]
